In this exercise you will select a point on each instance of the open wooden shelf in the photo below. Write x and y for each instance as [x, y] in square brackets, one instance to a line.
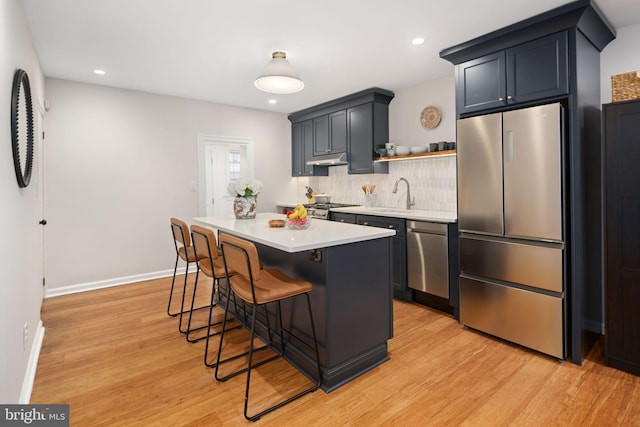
[445, 153]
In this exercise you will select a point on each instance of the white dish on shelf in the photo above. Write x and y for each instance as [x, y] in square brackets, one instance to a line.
[402, 150]
[418, 149]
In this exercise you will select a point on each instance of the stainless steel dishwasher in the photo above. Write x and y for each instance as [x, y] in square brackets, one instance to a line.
[427, 258]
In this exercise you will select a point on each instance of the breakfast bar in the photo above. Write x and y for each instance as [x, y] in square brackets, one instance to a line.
[349, 267]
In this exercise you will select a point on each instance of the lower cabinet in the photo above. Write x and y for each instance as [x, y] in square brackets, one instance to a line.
[401, 290]
[343, 217]
[399, 264]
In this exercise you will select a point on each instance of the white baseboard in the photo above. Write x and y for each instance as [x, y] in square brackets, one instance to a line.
[32, 366]
[100, 284]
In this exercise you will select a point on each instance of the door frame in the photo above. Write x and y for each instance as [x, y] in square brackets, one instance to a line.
[207, 140]
[40, 112]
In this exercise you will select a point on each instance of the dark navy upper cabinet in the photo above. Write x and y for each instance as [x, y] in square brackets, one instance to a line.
[538, 69]
[480, 83]
[338, 131]
[302, 150]
[300, 137]
[527, 72]
[321, 141]
[367, 130]
[360, 138]
[330, 133]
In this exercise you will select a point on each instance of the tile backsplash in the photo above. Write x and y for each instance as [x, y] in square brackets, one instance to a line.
[432, 181]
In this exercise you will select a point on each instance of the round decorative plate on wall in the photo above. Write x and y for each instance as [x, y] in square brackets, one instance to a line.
[430, 117]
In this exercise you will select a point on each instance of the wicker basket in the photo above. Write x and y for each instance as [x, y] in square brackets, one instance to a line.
[625, 86]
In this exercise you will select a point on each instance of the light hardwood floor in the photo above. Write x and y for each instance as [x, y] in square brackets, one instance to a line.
[118, 359]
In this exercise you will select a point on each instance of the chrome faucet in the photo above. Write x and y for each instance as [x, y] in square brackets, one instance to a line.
[409, 201]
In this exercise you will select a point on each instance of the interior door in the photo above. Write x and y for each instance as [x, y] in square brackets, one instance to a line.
[221, 159]
[532, 172]
[218, 201]
[480, 174]
[40, 187]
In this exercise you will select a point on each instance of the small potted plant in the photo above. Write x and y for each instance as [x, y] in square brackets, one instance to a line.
[381, 152]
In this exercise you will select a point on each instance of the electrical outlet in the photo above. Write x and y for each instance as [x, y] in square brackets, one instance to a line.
[25, 335]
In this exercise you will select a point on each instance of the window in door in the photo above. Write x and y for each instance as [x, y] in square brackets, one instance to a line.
[234, 164]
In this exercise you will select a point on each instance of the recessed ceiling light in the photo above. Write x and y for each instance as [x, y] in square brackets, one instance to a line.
[417, 41]
[99, 72]
[272, 101]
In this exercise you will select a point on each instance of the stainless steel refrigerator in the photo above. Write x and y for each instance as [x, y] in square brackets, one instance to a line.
[510, 210]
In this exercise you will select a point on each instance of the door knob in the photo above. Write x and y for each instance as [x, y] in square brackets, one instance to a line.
[43, 222]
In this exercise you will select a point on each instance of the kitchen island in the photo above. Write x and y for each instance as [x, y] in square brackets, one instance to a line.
[350, 269]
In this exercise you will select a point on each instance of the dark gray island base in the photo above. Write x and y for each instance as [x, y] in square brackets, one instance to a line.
[352, 307]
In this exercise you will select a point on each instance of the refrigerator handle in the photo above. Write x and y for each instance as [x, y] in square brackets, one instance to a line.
[509, 153]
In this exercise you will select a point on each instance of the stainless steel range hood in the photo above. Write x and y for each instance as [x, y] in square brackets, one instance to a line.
[329, 160]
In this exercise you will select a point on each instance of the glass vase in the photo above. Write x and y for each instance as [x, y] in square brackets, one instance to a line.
[245, 207]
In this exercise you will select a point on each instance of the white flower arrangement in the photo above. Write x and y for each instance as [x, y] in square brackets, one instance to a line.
[244, 187]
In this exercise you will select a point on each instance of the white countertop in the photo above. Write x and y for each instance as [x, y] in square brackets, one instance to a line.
[320, 234]
[414, 214]
[293, 204]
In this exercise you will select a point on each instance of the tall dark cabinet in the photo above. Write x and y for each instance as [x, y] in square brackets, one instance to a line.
[552, 57]
[621, 224]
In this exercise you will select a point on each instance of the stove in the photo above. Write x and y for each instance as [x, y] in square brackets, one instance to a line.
[321, 210]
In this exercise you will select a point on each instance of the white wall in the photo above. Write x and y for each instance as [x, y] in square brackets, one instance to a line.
[432, 180]
[620, 56]
[406, 106]
[120, 163]
[20, 286]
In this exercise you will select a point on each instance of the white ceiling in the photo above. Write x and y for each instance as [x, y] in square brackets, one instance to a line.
[213, 50]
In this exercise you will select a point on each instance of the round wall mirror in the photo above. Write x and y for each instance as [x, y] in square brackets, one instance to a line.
[22, 127]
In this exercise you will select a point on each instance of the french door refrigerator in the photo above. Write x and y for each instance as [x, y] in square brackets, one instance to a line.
[510, 212]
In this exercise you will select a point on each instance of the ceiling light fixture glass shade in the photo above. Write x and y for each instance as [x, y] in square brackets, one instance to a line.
[279, 76]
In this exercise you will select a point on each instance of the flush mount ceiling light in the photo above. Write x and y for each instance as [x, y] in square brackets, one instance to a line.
[279, 76]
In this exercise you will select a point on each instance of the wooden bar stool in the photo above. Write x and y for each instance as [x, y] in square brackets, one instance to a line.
[186, 252]
[258, 287]
[210, 263]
